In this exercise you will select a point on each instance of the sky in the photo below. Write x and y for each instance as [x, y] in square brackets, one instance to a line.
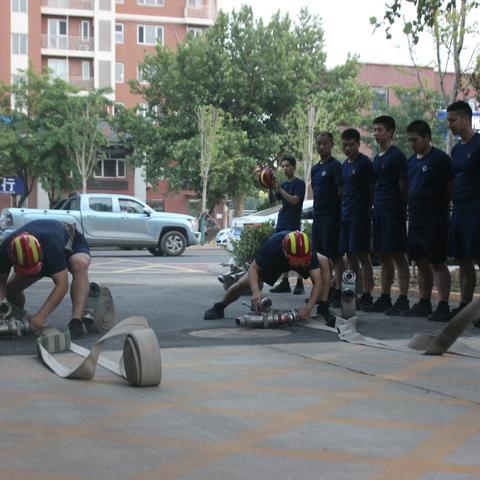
[348, 30]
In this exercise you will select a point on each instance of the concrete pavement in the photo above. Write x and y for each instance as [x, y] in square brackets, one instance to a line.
[295, 411]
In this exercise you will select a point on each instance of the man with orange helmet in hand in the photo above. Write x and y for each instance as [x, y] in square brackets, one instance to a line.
[46, 248]
[283, 251]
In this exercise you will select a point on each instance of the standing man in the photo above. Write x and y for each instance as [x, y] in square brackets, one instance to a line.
[357, 174]
[327, 185]
[429, 180]
[389, 218]
[291, 192]
[46, 248]
[464, 232]
[281, 252]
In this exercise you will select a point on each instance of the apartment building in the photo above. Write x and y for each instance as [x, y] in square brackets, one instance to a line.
[97, 44]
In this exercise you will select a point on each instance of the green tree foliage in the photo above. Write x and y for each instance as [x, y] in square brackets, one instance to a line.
[413, 104]
[251, 239]
[255, 72]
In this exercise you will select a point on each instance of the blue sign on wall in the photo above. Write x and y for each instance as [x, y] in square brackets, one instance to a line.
[12, 185]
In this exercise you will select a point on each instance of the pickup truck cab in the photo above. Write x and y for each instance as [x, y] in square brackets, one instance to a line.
[111, 220]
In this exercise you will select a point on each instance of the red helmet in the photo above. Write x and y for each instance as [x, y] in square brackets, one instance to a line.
[266, 177]
[26, 254]
[296, 245]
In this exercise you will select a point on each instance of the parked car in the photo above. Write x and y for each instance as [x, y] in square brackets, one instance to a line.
[112, 220]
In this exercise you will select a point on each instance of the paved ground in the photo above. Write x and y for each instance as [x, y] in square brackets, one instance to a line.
[318, 409]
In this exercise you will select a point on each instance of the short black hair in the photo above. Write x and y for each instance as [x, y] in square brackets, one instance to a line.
[351, 134]
[461, 107]
[387, 121]
[327, 134]
[289, 158]
[420, 127]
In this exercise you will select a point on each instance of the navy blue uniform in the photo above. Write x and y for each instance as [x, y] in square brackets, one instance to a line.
[389, 220]
[355, 227]
[326, 180]
[464, 231]
[53, 238]
[289, 216]
[428, 205]
[272, 262]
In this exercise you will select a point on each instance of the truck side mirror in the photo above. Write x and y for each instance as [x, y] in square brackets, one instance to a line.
[147, 212]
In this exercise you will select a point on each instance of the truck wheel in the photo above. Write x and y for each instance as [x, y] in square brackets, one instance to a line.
[157, 251]
[173, 243]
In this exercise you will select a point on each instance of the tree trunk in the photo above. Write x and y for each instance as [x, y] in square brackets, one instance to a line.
[84, 185]
[238, 203]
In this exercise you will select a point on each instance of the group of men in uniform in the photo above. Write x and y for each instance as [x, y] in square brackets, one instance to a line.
[362, 206]
[358, 206]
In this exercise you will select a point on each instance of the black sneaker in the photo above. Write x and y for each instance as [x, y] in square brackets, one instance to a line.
[299, 288]
[423, 308]
[336, 298]
[77, 328]
[282, 287]
[364, 301]
[460, 307]
[214, 313]
[327, 315]
[400, 307]
[382, 303]
[441, 313]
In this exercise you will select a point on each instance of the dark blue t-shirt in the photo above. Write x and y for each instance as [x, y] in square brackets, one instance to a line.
[357, 179]
[427, 196]
[289, 216]
[466, 171]
[326, 181]
[52, 237]
[272, 262]
[389, 169]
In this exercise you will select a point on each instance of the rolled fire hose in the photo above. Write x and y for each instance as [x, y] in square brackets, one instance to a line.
[348, 295]
[140, 363]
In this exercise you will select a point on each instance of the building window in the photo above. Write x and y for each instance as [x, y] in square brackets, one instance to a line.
[379, 98]
[19, 6]
[118, 1]
[195, 3]
[142, 109]
[57, 33]
[149, 34]
[85, 29]
[119, 73]
[153, 3]
[140, 76]
[59, 68]
[110, 168]
[19, 43]
[195, 31]
[119, 33]
[86, 70]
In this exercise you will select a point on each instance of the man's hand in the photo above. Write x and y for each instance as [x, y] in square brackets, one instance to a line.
[304, 313]
[36, 322]
[256, 299]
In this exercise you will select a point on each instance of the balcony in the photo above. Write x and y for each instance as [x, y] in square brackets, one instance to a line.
[82, 84]
[69, 4]
[67, 42]
[206, 12]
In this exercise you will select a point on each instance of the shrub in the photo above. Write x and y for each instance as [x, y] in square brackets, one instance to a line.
[251, 239]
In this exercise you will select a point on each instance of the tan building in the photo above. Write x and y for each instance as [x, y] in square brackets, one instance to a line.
[96, 44]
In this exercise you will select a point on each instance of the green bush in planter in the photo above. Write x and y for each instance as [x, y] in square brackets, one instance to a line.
[251, 239]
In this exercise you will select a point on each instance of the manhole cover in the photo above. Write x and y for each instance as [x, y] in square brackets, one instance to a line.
[239, 333]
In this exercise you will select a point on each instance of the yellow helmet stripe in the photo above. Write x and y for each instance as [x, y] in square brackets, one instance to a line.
[306, 242]
[33, 246]
[293, 243]
[18, 249]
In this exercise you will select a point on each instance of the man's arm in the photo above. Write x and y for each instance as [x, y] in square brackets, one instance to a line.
[59, 291]
[316, 277]
[254, 280]
[291, 199]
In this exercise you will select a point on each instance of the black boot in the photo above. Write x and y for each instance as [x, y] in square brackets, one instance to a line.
[326, 313]
[400, 307]
[441, 313]
[423, 308]
[365, 301]
[382, 303]
[215, 313]
[76, 328]
[282, 287]
[299, 288]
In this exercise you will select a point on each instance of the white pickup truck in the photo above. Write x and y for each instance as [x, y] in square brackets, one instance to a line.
[110, 220]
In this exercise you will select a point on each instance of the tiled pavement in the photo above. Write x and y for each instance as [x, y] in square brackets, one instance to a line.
[329, 411]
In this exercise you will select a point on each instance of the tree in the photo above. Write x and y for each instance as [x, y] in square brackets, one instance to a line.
[85, 132]
[254, 72]
[448, 22]
[209, 123]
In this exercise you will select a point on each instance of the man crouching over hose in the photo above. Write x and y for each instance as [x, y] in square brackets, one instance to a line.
[46, 248]
[282, 252]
